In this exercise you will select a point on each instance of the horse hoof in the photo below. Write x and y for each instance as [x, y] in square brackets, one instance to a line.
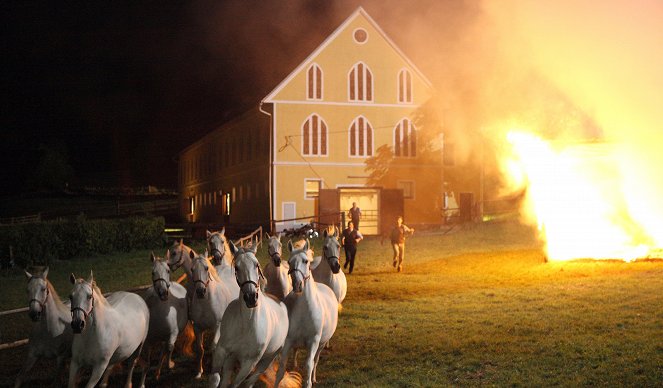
[199, 376]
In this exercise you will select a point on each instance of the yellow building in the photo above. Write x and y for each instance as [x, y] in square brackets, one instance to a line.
[355, 93]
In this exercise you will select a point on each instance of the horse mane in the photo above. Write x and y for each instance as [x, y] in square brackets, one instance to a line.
[54, 294]
[212, 270]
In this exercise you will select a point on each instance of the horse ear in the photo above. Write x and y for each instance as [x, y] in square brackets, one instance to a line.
[208, 233]
[306, 245]
[192, 254]
[45, 273]
[324, 234]
[181, 242]
[152, 258]
[91, 279]
[223, 231]
[253, 248]
[28, 274]
[290, 247]
[168, 254]
[233, 247]
[72, 278]
[267, 236]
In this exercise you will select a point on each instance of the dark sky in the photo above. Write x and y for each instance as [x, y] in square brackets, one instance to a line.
[124, 86]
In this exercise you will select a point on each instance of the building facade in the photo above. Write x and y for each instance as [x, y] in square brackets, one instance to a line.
[355, 93]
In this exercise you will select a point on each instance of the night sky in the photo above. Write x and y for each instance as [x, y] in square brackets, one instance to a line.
[123, 87]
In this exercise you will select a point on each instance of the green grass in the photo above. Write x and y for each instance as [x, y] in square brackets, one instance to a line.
[477, 306]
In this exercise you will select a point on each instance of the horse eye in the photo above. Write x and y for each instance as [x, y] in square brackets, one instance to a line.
[89, 297]
[304, 261]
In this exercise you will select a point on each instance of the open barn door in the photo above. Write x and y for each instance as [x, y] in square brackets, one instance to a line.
[391, 206]
[329, 207]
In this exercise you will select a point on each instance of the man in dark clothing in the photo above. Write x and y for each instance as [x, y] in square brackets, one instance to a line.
[350, 239]
[398, 242]
[355, 215]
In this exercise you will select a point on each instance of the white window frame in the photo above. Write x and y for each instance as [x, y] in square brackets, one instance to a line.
[407, 86]
[367, 124]
[316, 82]
[367, 70]
[306, 180]
[411, 129]
[322, 122]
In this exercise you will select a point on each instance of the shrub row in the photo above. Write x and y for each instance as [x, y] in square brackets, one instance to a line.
[42, 242]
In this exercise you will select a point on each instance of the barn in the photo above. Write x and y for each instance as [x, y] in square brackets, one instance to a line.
[301, 153]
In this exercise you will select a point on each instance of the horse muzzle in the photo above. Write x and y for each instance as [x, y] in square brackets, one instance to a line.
[335, 267]
[276, 260]
[77, 325]
[35, 315]
[163, 294]
[250, 299]
[201, 292]
[217, 259]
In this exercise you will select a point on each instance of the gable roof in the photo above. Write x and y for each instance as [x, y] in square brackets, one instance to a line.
[326, 42]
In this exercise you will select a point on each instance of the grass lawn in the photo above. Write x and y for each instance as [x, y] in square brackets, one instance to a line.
[477, 306]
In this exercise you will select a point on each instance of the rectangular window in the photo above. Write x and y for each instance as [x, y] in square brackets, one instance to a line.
[192, 205]
[407, 187]
[234, 193]
[312, 188]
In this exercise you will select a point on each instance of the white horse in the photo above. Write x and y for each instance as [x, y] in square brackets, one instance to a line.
[107, 330]
[179, 255]
[169, 314]
[329, 270]
[312, 313]
[217, 246]
[208, 305]
[253, 329]
[51, 334]
[276, 270]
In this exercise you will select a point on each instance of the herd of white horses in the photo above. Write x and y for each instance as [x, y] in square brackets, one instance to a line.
[255, 317]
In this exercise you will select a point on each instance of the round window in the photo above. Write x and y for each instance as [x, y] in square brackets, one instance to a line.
[360, 35]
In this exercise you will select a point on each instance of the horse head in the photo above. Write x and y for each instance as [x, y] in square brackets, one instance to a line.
[247, 273]
[300, 266]
[176, 255]
[82, 301]
[200, 273]
[216, 245]
[275, 249]
[331, 250]
[38, 293]
[160, 277]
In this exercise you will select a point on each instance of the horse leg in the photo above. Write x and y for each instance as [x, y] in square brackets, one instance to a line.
[218, 362]
[132, 364]
[245, 368]
[282, 362]
[228, 366]
[29, 363]
[73, 371]
[147, 367]
[97, 372]
[262, 365]
[170, 347]
[310, 360]
[199, 345]
[57, 379]
[317, 358]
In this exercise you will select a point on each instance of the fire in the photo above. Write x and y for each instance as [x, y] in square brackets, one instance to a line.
[582, 198]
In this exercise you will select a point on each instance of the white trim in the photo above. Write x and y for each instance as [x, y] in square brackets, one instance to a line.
[355, 31]
[367, 123]
[307, 198]
[348, 164]
[349, 185]
[321, 122]
[367, 70]
[358, 103]
[315, 65]
[327, 42]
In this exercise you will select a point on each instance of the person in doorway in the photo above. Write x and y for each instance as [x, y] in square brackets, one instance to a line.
[355, 215]
[398, 242]
[349, 240]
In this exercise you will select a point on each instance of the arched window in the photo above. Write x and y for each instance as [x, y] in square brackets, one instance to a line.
[361, 137]
[314, 82]
[314, 136]
[360, 83]
[405, 139]
[404, 86]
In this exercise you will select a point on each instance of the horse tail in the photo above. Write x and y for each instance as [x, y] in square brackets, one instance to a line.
[290, 379]
[185, 339]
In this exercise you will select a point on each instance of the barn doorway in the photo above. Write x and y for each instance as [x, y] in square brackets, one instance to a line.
[368, 200]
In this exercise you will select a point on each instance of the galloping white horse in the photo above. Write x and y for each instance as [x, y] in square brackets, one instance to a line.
[51, 335]
[276, 271]
[179, 255]
[329, 270]
[169, 314]
[208, 305]
[107, 330]
[312, 313]
[217, 246]
[253, 329]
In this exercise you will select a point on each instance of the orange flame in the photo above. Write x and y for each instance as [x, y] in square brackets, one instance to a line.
[582, 199]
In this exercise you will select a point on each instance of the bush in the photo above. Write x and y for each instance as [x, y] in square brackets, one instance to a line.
[40, 243]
